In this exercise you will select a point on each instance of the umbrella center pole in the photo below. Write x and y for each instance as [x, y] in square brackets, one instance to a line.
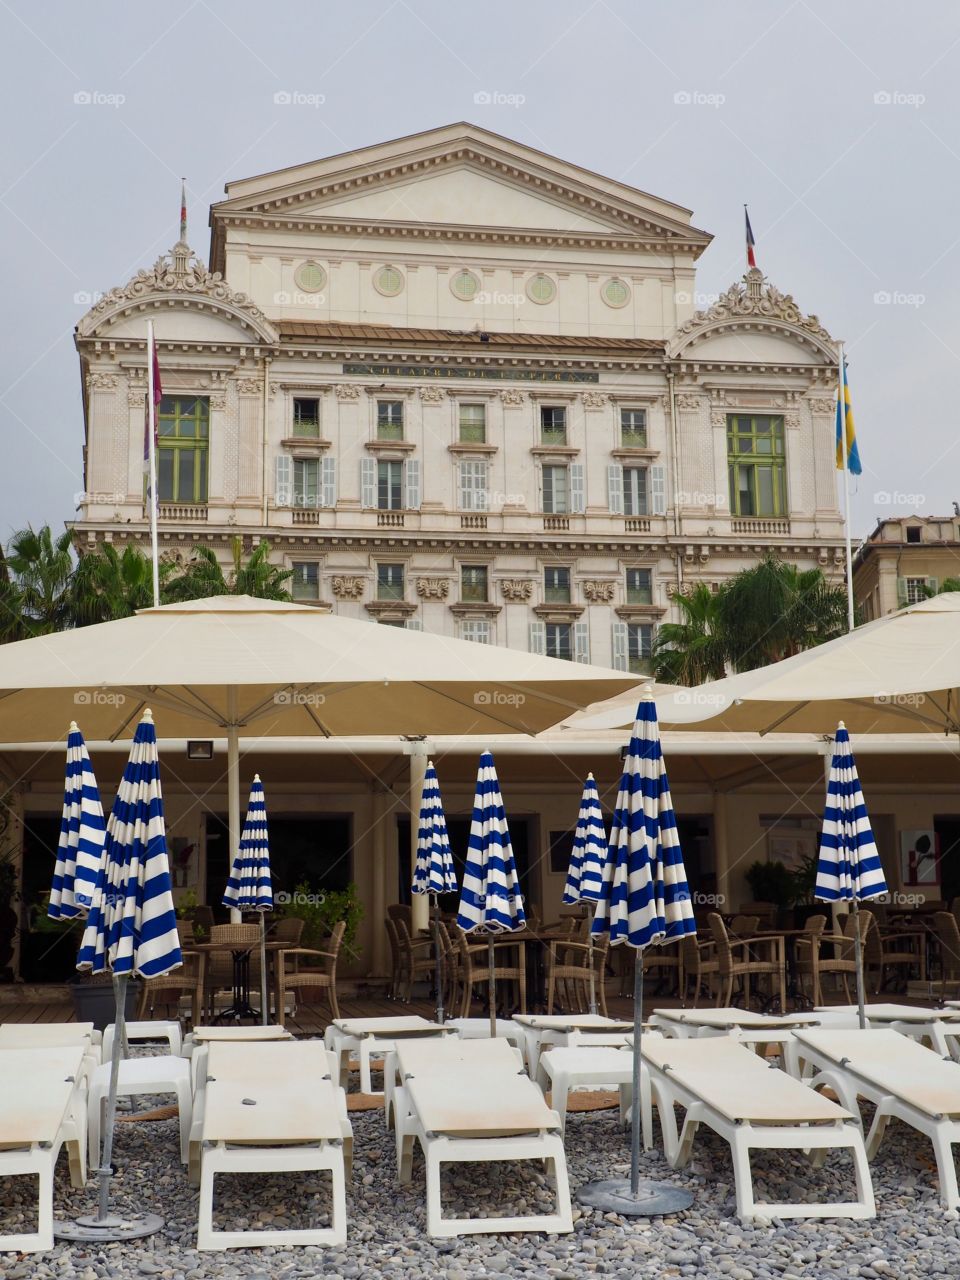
[637, 1112]
[439, 952]
[119, 1037]
[593, 976]
[264, 998]
[858, 962]
[492, 985]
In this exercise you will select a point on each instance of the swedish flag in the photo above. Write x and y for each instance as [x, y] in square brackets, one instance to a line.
[845, 417]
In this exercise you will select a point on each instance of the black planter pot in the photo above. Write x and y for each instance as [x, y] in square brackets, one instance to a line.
[94, 1002]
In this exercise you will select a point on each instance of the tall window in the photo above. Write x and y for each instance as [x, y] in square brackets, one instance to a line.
[305, 583]
[473, 485]
[389, 581]
[389, 419]
[639, 648]
[306, 481]
[757, 466]
[635, 494]
[639, 586]
[633, 428]
[556, 496]
[553, 424]
[475, 629]
[306, 417]
[184, 433]
[473, 424]
[559, 640]
[473, 583]
[915, 590]
[390, 486]
[556, 585]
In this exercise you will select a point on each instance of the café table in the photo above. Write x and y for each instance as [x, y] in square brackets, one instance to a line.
[240, 1006]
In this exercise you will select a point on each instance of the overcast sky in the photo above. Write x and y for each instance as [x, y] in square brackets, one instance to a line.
[837, 122]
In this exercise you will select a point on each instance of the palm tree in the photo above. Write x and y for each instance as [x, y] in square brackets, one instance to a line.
[11, 605]
[111, 584]
[775, 610]
[692, 650]
[42, 569]
[204, 576]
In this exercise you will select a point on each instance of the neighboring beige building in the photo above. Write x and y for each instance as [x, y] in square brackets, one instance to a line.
[463, 385]
[903, 560]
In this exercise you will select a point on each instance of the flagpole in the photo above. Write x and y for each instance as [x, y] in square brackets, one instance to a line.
[152, 454]
[842, 413]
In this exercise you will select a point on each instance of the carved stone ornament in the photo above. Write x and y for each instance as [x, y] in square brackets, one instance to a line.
[791, 420]
[687, 402]
[594, 399]
[431, 395]
[181, 271]
[101, 381]
[512, 397]
[433, 588]
[718, 418]
[347, 391]
[136, 397]
[249, 387]
[754, 298]
[822, 405]
[598, 592]
[516, 589]
[218, 401]
[347, 586]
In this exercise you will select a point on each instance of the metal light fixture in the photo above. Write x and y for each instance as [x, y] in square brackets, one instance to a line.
[200, 749]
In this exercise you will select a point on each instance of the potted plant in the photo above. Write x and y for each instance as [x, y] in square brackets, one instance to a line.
[772, 882]
[189, 908]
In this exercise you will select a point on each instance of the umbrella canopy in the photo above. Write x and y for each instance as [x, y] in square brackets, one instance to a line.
[585, 874]
[434, 871]
[283, 669]
[849, 867]
[132, 925]
[644, 896]
[82, 835]
[249, 887]
[490, 900]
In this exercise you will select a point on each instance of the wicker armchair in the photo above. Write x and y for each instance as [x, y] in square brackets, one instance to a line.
[293, 976]
[219, 967]
[806, 950]
[475, 972]
[416, 957]
[569, 963]
[842, 963]
[698, 965]
[187, 980]
[948, 936]
[904, 949]
[740, 959]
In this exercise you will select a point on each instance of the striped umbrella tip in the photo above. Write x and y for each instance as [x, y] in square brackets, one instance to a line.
[74, 727]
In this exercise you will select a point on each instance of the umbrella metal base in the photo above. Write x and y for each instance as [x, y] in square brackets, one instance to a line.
[653, 1199]
[92, 1230]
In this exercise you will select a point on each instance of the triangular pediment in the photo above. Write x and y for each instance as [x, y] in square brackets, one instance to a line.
[432, 178]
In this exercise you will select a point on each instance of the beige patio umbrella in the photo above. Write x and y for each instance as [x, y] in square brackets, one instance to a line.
[265, 668]
[900, 674]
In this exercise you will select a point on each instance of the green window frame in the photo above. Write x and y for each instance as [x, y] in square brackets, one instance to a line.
[473, 423]
[306, 417]
[182, 456]
[389, 419]
[639, 586]
[556, 584]
[390, 581]
[757, 464]
[633, 428]
[473, 584]
[305, 581]
[640, 648]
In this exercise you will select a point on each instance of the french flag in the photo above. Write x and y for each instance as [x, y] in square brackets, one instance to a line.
[751, 257]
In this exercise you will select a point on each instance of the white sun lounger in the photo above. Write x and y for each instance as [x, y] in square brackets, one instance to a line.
[740, 1024]
[272, 1108]
[41, 1108]
[726, 1086]
[903, 1079]
[480, 1109]
[54, 1035]
[372, 1037]
[941, 1027]
[195, 1040]
[546, 1031]
[471, 1055]
[597, 1067]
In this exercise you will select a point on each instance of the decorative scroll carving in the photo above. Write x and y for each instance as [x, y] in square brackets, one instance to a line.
[347, 586]
[431, 395]
[347, 391]
[249, 387]
[598, 592]
[822, 405]
[688, 402]
[594, 399]
[433, 588]
[516, 589]
[512, 397]
[101, 381]
[754, 298]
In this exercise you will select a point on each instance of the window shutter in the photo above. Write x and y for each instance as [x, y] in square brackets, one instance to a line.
[615, 488]
[328, 482]
[933, 586]
[411, 483]
[577, 495]
[473, 485]
[620, 646]
[413, 624]
[477, 630]
[581, 642]
[901, 592]
[538, 637]
[283, 488]
[658, 491]
[463, 484]
[368, 482]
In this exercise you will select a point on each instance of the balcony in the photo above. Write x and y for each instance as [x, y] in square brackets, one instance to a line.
[182, 511]
[556, 524]
[636, 524]
[301, 515]
[390, 519]
[764, 528]
[473, 521]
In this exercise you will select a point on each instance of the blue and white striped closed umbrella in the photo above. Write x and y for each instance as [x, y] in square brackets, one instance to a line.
[132, 925]
[644, 897]
[490, 899]
[82, 835]
[848, 864]
[434, 871]
[249, 887]
[585, 874]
